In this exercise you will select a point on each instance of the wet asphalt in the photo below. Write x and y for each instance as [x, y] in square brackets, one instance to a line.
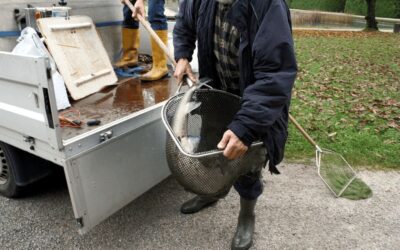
[296, 211]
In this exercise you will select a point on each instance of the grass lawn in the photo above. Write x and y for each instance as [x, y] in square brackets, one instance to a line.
[347, 96]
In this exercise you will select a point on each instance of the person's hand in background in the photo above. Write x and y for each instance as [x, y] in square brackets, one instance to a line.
[183, 68]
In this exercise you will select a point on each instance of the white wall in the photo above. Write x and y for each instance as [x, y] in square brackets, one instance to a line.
[98, 10]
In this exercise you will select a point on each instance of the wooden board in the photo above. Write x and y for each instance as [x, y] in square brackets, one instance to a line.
[79, 54]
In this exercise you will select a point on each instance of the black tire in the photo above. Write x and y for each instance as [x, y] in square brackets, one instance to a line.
[8, 159]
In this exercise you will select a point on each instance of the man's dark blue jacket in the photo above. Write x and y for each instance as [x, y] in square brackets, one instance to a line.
[267, 64]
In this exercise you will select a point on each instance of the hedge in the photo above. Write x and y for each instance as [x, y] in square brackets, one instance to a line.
[323, 5]
[384, 8]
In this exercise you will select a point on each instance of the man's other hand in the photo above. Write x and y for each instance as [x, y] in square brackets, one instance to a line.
[139, 9]
[232, 145]
[183, 68]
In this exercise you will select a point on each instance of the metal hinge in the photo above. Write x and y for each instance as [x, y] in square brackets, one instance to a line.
[47, 107]
[48, 73]
[106, 136]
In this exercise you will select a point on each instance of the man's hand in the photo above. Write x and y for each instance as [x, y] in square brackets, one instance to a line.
[139, 9]
[183, 68]
[232, 145]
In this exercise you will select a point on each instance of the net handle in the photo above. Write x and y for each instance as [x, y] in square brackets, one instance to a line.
[302, 131]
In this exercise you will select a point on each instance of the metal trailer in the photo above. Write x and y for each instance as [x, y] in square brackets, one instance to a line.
[105, 168]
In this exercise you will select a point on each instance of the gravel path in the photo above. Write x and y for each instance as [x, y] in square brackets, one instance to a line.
[296, 211]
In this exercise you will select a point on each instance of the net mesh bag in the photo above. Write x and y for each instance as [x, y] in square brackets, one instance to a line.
[340, 177]
[205, 171]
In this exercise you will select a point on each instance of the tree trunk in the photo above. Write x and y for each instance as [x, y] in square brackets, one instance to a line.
[372, 24]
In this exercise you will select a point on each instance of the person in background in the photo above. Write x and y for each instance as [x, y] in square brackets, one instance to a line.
[131, 38]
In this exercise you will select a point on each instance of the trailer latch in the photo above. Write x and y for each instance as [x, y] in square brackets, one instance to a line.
[106, 136]
[31, 141]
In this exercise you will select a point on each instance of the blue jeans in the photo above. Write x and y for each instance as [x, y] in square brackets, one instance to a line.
[249, 186]
[157, 18]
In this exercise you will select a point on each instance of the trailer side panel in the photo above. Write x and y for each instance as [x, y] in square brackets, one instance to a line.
[107, 177]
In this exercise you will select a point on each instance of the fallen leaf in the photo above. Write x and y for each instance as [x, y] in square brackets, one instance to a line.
[332, 134]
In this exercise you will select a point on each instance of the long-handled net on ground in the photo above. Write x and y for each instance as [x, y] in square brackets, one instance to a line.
[336, 172]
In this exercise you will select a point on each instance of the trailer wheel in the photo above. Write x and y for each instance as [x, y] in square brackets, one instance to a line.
[8, 185]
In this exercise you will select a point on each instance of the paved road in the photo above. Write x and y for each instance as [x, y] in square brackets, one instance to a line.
[295, 212]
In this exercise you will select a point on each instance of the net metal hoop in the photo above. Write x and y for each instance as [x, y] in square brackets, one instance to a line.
[206, 171]
[318, 156]
[177, 142]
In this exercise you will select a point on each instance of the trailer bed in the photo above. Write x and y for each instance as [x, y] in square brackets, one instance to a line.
[116, 102]
[106, 166]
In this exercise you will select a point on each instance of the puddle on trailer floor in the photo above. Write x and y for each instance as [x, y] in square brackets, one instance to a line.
[115, 102]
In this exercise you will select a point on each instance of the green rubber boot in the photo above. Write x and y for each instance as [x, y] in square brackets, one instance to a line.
[196, 204]
[243, 238]
[130, 45]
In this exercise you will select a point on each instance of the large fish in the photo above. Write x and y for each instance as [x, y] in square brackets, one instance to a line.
[180, 121]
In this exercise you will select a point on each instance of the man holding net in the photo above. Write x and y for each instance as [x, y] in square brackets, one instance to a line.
[246, 47]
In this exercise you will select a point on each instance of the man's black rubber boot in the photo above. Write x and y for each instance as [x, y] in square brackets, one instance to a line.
[196, 204]
[243, 238]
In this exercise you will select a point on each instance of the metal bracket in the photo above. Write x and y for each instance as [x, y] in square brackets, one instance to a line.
[62, 2]
[20, 19]
[80, 221]
[106, 136]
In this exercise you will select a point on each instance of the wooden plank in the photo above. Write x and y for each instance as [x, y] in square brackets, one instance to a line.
[86, 79]
[79, 54]
[70, 26]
